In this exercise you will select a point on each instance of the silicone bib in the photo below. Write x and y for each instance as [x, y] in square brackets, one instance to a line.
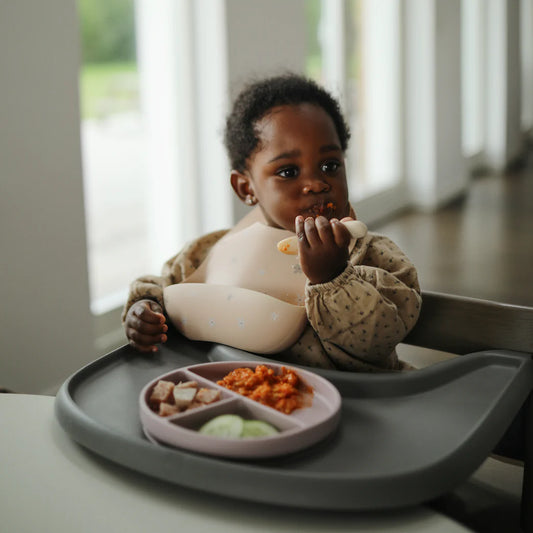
[245, 294]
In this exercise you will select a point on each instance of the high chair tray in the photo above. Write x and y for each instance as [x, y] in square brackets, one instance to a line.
[402, 439]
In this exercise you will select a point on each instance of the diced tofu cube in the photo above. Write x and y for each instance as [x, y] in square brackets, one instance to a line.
[183, 396]
[162, 392]
[167, 409]
[208, 395]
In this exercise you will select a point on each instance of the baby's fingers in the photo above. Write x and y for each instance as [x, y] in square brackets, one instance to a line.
[148, 311]
[145, 326]
[300, 231]
[325, 231]
[340, 233]
[145, 343]
[144, 337]
[315, 230]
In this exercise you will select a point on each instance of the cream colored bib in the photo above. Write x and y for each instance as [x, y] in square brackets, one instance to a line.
[245, 294]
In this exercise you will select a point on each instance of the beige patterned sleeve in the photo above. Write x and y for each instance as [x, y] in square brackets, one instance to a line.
[175, 270]
[361, 315]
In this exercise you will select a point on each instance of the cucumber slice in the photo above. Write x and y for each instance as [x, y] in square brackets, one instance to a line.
[257, 428]
[224, 426]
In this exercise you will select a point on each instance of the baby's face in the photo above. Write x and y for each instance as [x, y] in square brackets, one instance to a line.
[298, 167]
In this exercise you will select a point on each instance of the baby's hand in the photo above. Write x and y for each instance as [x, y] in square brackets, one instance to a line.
[322, 247]
[145, 325]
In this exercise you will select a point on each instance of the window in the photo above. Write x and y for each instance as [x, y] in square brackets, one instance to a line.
[114, 149]
[357, 56]
[526, 48]
[473, 102]
[146, 66]
[496, 80]
[374, 87]
[313, 12]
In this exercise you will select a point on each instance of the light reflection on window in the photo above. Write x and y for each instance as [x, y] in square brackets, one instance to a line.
[113, 150]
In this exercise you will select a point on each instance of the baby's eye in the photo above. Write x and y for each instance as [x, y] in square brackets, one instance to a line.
[288, 172]
[330, 167]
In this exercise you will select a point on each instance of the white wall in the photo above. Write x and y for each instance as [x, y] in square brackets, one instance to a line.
[45, 325]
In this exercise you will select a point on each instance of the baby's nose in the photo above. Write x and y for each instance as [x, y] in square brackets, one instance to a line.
[315, 185]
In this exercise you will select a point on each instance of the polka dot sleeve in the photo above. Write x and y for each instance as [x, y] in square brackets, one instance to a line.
[361, 315]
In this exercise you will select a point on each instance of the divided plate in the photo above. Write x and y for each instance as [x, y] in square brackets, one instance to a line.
[298, 430]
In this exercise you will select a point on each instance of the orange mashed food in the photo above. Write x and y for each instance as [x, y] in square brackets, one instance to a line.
[284, 392]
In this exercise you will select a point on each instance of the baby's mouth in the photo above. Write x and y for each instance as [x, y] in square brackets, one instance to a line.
[325, 209]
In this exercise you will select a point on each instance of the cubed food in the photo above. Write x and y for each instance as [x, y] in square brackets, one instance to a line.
[167, 409]
[206, 396]
[183, 396]
[162, 392]
[168, 398]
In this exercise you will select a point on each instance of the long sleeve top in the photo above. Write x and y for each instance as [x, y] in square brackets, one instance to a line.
[355, 320]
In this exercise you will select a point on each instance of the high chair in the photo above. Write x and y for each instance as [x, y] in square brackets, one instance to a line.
[404, 438]
[496, 335]
[465, 326]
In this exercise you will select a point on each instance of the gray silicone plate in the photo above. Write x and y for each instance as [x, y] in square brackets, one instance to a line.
[402, 438]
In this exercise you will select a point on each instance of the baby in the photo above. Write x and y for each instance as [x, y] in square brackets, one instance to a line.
[286, 139]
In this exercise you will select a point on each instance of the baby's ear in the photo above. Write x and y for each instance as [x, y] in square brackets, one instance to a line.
[242, 186]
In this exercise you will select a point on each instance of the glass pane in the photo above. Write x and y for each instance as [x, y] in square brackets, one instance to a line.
[354, 51]
[354, 93]
[314, 50]
[373, 94]
[472, 76]
[335, 61]
[526, 62]
[113, 149]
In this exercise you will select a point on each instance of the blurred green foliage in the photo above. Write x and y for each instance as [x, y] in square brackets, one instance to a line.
[107, 89]
[107, 30]
[108, 81]
[313, 11]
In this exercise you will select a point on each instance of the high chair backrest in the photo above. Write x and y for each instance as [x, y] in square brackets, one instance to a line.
[462, 325]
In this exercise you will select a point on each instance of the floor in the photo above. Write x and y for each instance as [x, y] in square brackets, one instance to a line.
[480, 246]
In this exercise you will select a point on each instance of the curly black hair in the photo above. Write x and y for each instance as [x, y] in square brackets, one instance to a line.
[258, 98]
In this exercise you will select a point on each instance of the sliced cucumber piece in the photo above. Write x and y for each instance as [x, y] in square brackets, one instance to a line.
[257, 428]
[225, 426]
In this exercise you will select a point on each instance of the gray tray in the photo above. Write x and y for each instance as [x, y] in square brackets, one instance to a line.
[403, 438]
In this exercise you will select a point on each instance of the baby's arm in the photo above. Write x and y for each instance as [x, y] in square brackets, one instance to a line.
[369, 308]
[144, 314]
